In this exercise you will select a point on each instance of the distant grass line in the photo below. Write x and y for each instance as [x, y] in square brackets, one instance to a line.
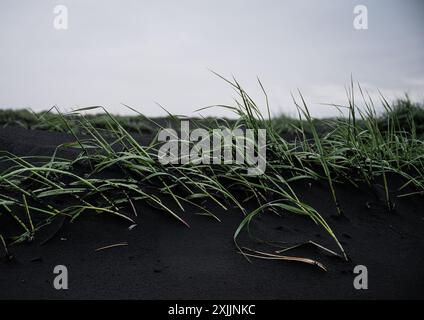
[50, 120]
[46, 120]
[361, 148]
[403, 110]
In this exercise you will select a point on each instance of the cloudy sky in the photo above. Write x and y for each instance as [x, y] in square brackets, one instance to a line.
[143, 52]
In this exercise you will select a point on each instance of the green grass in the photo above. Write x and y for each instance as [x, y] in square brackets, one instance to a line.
[361, 148]
[47, 120]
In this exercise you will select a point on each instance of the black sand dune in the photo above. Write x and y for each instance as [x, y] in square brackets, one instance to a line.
[166, 260]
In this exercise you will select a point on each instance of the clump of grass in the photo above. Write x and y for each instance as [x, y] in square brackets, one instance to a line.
[357, 149]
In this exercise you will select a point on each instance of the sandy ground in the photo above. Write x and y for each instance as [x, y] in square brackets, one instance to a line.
[166, 260]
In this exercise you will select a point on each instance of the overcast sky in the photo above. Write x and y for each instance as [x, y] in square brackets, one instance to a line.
[142, 52]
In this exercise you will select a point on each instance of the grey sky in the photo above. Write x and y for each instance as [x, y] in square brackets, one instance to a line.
[139, 52]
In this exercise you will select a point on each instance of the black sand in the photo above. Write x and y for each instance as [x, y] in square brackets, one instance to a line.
[166, 260]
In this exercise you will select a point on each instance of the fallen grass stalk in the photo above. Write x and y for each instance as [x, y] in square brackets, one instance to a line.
[271, 256]
[121, 244]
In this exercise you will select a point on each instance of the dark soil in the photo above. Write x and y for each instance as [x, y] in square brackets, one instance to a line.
[166, 260]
